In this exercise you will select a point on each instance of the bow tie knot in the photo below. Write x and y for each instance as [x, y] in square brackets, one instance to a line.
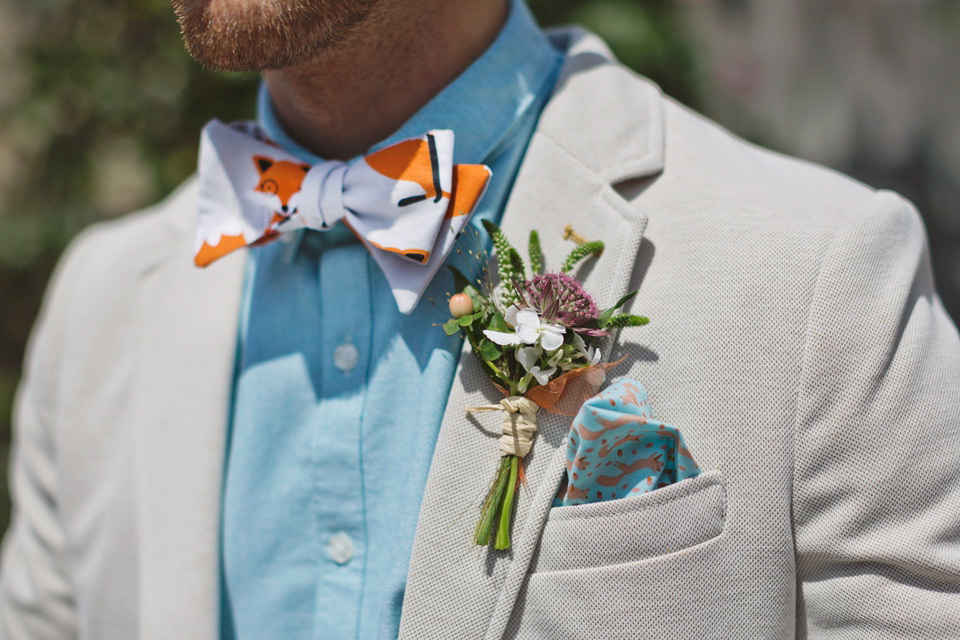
[406, 202]
[320, 199]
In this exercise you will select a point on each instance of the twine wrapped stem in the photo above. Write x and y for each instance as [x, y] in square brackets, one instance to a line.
[518, 429]
[519, 424]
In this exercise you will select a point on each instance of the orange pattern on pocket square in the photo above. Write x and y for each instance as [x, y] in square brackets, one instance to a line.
[616, 448]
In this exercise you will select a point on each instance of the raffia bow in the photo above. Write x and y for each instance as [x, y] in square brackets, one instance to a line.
[519, 424]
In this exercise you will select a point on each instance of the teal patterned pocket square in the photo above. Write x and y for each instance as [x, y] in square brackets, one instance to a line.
[616, 448]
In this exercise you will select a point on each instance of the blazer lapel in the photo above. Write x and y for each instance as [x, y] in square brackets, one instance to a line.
[602, 126]
[184, 381]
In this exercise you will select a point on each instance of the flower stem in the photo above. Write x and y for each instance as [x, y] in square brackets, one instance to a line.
[503, 530]
[484, 528]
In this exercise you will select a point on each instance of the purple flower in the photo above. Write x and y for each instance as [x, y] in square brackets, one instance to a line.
[559, 298]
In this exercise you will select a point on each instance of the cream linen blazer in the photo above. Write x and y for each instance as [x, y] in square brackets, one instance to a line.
[796, 340]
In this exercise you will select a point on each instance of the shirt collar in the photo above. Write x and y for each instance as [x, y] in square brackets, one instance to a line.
[482, 105]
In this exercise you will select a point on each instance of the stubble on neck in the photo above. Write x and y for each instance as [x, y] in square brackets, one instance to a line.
[350, 96]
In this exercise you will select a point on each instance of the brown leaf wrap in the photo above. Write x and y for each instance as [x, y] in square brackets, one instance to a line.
[565, 394]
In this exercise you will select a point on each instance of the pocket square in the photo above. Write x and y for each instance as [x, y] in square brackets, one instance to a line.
[616, 448]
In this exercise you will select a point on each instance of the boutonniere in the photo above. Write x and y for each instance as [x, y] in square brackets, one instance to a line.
[538, 336]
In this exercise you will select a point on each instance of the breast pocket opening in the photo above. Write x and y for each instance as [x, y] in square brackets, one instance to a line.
[635, 528]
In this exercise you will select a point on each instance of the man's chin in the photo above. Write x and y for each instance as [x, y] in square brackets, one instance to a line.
[270, 34]
[226, 56]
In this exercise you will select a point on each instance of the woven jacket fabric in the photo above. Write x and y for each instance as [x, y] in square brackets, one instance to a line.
[796, 340]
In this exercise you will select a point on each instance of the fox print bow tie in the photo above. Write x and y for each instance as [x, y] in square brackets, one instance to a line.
[406, 202]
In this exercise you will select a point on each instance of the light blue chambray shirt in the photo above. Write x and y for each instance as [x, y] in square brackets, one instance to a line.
[338, 397]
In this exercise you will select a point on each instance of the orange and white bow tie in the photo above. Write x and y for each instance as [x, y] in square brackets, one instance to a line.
[407, 203]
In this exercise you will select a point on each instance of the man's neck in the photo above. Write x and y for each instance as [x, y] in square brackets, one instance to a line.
[346, 100]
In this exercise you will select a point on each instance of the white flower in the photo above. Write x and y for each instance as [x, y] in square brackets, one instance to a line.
[502, 337]
[592, 355]
[529, 357]
[510, 315]
[529, 329]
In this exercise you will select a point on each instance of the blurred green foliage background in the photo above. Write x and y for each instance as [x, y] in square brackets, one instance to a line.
[100, 110]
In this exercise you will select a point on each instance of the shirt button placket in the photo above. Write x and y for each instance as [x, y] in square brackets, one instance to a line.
[346, 356]
[344, 282]
[340, 548]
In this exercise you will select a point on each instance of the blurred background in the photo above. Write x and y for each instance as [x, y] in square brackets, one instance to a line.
[100, 109]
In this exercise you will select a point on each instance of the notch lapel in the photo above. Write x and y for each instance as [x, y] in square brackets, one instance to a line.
[602, 126]
[186, 362]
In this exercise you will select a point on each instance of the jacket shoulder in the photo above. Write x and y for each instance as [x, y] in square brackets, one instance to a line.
[98, 272]
[138, 240]
[748, 180]
[764, 212]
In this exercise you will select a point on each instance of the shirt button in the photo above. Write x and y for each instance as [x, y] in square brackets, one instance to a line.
[345, 357]
[340, 548]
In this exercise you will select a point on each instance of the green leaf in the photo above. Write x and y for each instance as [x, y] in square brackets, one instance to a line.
[536, 253]
[451, 327]
[604, 317]
[466, 321]
[606, 314]
[488, 350]
[497, 323]
[622, 301]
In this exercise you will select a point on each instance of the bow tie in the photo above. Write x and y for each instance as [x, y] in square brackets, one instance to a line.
[407, 202]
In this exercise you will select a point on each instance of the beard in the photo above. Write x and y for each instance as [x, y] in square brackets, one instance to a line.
[255, 35]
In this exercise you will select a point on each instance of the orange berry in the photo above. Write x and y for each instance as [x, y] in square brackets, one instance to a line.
[460, 305]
